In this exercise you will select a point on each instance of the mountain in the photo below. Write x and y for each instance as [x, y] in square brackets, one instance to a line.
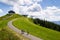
[56, 22]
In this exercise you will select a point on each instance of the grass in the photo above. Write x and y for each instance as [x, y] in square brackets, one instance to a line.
[36, 30]
[7, 35]
[5, 32]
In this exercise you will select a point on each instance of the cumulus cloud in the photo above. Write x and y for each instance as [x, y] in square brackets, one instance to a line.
[1, 11]
[32, 8]
[52, 13]
[28, 4]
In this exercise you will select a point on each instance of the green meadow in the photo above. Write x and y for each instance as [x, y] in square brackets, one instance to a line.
[5, 32]
[27, 25]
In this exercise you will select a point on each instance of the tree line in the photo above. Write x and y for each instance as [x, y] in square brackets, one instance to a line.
[47, 24]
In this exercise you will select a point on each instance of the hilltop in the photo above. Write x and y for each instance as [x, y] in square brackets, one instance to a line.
[5, 32]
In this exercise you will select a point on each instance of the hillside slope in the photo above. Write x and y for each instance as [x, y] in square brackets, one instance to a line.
[27, 25]
[5, 32]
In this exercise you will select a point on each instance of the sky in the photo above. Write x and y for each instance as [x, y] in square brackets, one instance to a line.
[43, 9]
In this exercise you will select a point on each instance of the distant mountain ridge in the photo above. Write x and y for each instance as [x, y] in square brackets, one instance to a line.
[56, 22]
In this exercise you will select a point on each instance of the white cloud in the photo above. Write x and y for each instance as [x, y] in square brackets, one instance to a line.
[35, 7]
[25, 2]
[31, 7]
[1, 11]
[17, 4]
[52, 13]
[16, 8]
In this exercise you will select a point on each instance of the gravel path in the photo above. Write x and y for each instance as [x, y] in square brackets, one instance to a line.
[19, 31]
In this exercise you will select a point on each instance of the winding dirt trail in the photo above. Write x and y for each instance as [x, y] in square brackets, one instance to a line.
[31, 37]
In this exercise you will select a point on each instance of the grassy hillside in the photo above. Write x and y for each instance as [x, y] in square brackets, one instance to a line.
[39, 31]
[5, 32]
[47, 24]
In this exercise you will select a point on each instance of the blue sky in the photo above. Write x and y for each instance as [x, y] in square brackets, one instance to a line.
[5, 8]
[50, 9]
[46, 3]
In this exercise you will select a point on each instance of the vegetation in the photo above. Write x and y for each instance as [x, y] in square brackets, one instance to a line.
[11, 12]
[28, 26]
[5, 32]
[47, 24]
[7, 35]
